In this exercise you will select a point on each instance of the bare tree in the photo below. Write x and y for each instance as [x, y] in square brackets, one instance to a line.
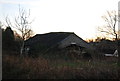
[22, 24]
[111, 19]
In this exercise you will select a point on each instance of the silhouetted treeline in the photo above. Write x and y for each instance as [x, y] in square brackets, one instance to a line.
[10, 42]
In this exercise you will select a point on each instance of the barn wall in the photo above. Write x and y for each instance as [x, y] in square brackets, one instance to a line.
[73, 38]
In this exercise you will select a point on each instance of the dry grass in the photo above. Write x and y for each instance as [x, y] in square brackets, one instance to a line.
[15, 67]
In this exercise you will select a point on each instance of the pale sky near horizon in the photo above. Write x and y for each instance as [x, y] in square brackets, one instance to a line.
[79, 16]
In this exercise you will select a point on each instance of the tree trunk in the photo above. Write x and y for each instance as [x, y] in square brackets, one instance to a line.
[116, 37]
[22, 48]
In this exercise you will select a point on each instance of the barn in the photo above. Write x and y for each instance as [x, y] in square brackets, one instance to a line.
[60, 40]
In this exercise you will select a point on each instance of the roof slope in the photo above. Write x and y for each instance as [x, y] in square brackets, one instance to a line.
[48, 39]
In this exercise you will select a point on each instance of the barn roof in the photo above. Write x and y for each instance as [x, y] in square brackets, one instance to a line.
[48, 39]
[52, 39]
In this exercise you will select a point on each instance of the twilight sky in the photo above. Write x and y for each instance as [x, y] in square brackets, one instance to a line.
[79, 16]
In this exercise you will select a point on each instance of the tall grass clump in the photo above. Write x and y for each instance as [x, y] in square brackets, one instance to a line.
[15, 67]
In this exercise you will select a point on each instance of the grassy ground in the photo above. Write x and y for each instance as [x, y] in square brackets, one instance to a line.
[15, 67]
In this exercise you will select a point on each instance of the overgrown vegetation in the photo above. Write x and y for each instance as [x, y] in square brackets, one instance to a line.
[54, 63]
[15, 67]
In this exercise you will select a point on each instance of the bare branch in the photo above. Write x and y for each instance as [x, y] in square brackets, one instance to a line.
[8, 22]
[110, 27]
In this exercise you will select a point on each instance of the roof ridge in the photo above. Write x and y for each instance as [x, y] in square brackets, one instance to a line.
[55, 32]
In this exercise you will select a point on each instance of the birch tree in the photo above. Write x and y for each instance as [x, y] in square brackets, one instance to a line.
[22, 24]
